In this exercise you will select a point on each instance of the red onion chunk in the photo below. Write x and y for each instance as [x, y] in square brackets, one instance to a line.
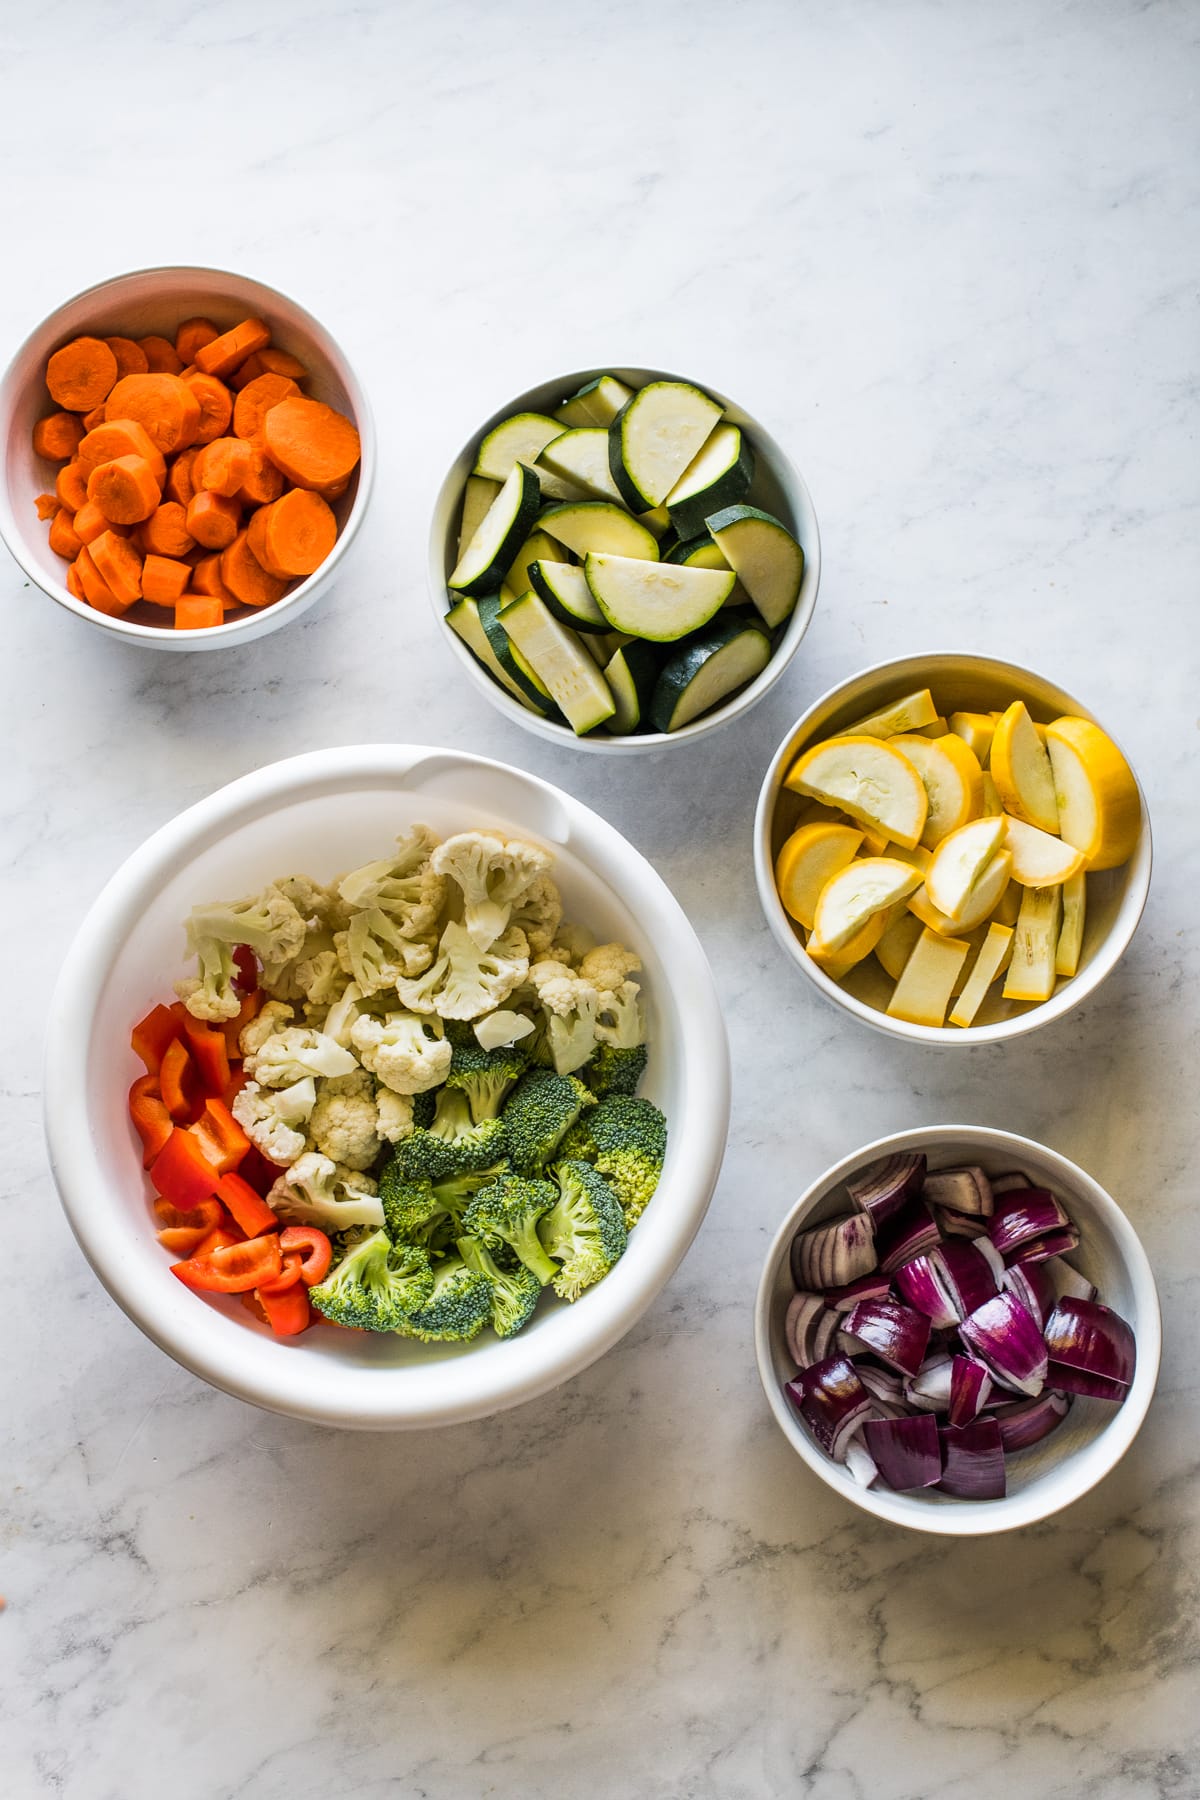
[973, 1457]
[1084, 1335]
[967, 1190]
[1068, 1280]
[958, 1224]
[1055, 1243]
[1025, 1213]
[910, 1233]
[921, 1284]
[906, 1451]
[929, 1389]
[896, 1334]
[1092, 1387]
[1033, 1288]
[886, 1186]
[1029, 1421]
[799, 1326]
[832, 1401]
[1004, 1336]
[967, 1276]
[1012, 1178]
[867, 1287]
[861, 1464]
[970, 1390]
[882, 1384]
[833, 1254]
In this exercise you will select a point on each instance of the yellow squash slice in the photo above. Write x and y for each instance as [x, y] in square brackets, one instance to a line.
[991, 962]
[867, 886]
[806, 862]
[839, 963]
[1039, 859]
[1031, 973]
[953, 782]
[910, 713]
[1070, 936]
[1098, 805]
[1020, 768]
[923, 991]
[868, 779]
[959, 861]
[985, 897]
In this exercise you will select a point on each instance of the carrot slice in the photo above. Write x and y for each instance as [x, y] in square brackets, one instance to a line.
[180, 485]
[94, 418]
[192, 335]
[165, 532]
[65, 541]
[313, 445]
[164, 580]
[119, 565]
[222, 466]
[126, 490]
[121, 437]
[216, 404]
[246, 578]
[163, 405]
[74, 585]
[161, 355]
[96, 590]
[131, 358]
[71, 486]
[250, 371]
[89, 522]
[264, 482]
[206, 579]
[256, 400]
[57, 438]
[81, 374]
[256, 538]
[298, 532]
[213, 520]
[280, 362]
[47, 505]
[229, 351]
[197, 612]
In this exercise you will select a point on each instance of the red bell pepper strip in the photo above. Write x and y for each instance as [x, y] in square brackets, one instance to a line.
[179, 1082]
[220, 1238]
[207, 1045]
[184, 1232]
[288, 1313]
[248, 1208]
[233, 1028]
[245, 980]
[221, 1137]
[182, 1173]
[151, 1120]
[314, 1247]
[237, 1082]
[258, 1171]
[151, 1036]
[288, 1277]
[234, 1269]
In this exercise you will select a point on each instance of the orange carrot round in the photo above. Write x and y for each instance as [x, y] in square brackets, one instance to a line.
[131, 358]
[256, 400]
[163, 404]
[280, 362]
[80, 375]
[89, 522]
[250, 371]
[119, 565]
[256, 538]
[192, 335]
[206, 579]
[216, 404]
[57, 437]
[264, 482]
[165, 532]
[229, 351]
[164, 580]
[213, 519]
[313, 445]
[245, 576]
[96, 590]
[121, 437]
[222, 466]
[70, 486]
[74, 585]
[125, 490]
[198, 612]
[65, 541]
[47, 505]
[299, 531]
[94, 418]
[162, 358]
[179, 477]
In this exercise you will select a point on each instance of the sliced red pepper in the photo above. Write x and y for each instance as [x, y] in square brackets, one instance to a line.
[237, 1082]
[151, 1035]
[184, 1232]
[220, 1238]
[258, 1171]
[288, 1276]
[182, 1173]
[314, 1247]
[254, 1305]
[211, 1057]
[245, 963]
[248, 1208]
[179, 1082]
[288, 1313]
[151, 1120]
[233, 1028]
[221, 1137]
[235, 1269]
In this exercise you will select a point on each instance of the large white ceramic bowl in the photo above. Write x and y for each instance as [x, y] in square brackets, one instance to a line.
[320, 814]
[1094, 1435]
[134, 305]
[961, 682]
[777, 488]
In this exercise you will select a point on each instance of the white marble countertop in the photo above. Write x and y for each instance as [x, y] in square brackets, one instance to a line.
[948, 255]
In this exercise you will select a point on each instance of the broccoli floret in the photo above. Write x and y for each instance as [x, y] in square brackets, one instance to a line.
[507, 1212]
[424, 1107]
[375, 1284]
[541, 1110]
[515, 1292]
[416, 1211]
[452, 1144]
[486, 1077]
[626, 1139]
[585, 1231]
[616, 1069]
[457, 1309]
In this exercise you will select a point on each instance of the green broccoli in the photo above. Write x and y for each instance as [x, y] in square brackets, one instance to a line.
[584, 1231]
[620, 1059]
[507, 1212]
[418, 1211]
[484, 1076]
[626, 1139]
[374, 1284]
[457, 1308]
[424, 1106]
[515, 1292]
[542, 1109]
[615, 1069]
[452, 1144]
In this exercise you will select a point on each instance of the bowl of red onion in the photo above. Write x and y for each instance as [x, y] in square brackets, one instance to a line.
[958, 1330]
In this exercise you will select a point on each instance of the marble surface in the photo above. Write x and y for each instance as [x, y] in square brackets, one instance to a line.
[948, 255]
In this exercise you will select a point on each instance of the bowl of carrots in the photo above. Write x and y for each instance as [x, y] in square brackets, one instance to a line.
[187, 457]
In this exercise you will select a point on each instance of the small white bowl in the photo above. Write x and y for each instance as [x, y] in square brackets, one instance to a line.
[1093, 1437]
[1115, 897]
[321, 813]
[777, 488]
[135, 305]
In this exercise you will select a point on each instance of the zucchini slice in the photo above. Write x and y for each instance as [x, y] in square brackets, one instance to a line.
[519, 439]
[536, 548]
[658, 520]
[584, 525]
[596, 403]
[554, 488]
[655, 436]
[707, 670]
[659, 601]
[563, 586]
[499, 535]
[464, 621]
[696, 553]
[718, 476]
[581, 457]
[768, 560]
[478, 495]
[631, 674]
[560, 661]
[537, 695]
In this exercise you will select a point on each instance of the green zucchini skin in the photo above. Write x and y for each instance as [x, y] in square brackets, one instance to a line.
[730, 486]
[632, 675]
[502, 650]
[706, 670]
[518, 511]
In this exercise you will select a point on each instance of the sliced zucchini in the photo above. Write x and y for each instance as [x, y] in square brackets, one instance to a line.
[718, 476]
[658, 520]
[519, 439]
[659, 601]
[554, 488]
[464, 621]
[768, 560]
[499, 535]
[515, 666]
[707, 670]
[584, 525]
[538, 547]
[563, 586]
[604, 645]
[560, 661]
[581, 457]
[631, 674]
[697, 553]
[478, 495]
[655, 436]
[596, 403]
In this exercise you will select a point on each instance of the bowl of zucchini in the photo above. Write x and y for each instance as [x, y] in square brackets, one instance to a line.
[623, 559]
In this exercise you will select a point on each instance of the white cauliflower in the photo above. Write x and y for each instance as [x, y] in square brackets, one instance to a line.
[375, 952]
[316, 903]
[395, 1114]
[341, 1017]
[321, 978]
[499, 1030]
[571, 944]
[268, 923]
[407, 1052]
[405, 887]
[318, 1191]
[620, 1021]
[493, 876]
[344, 1124]
[570, 1007]
[296, 1051]
[465, 980]
[539, 914]
[273, 1118]
[608, 965]
[275, 1016]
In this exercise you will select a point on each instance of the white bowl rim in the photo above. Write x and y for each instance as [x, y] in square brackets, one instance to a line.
[212, 637]
[741, 702]
[939, 1036]
[348, 1400]
[977, 1518]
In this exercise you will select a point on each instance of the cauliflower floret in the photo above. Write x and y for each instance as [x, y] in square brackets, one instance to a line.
[500, 1030]
[318, 1191]
[607, 966]
[339, 1020]
[273, 1118]
[408, 1053]
[275, 1016]
[315, 902]
[571, 944]
[321, 978]
[493, 876]
[539, 914]
[620, 1021]
[296, 1051]
[375, 952]
[267, 923]
[344, 1123]
[465, 980]
[406, 887]
[395, 1114]
[570, 1007]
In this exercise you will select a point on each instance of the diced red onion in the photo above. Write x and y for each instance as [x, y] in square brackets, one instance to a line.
[886, 1186]
[970, 1388]
[1029, 1421]
[896, 1334]
[1068, 1280]
[973, 1460]
[958, 1224]
[1092, 1387]
[910, 1233]
[867, 1287]
[832, 1401]
[800, 1321]
[1005, 1337]
[1012, 1178]
[1033, 1288]
[1055, 1243]
[831, 1255]
[921, 1283]
[967, 1275]
[906, 1451]
[929, 1389]
[861, 1464]
[1024, 1214]
[1082, 1334]
[881, 1384]
[967, 1190]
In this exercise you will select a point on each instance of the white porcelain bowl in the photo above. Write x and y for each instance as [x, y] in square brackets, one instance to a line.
[777, 488]
[322, 813]
[1115, 897]
[1094, 1435]
[134, 305]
